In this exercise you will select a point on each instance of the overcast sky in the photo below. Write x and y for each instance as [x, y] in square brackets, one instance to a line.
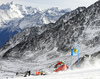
[44, 4]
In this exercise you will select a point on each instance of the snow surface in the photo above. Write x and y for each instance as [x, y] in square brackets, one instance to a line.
[77, 74]
[87, 71]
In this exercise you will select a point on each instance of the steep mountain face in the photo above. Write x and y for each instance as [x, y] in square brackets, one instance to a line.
[15, 18]
[54, 44]
[71, 14]
[35, 30]
[24, 35]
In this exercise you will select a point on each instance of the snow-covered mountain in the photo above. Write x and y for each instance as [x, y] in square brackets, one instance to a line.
[54, 43]
[34, 31]
[14, 18]
[38, 48]
[9, 12]
[42, 17]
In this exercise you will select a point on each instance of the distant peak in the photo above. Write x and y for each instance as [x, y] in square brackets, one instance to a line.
[80, 8]
[54, 9]
[11, 2]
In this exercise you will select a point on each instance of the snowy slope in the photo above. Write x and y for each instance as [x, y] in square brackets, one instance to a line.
[44, 48]
[88, 70]
[76, 74]
[54, 44]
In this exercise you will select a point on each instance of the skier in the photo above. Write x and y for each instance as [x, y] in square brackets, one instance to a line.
[60, 66]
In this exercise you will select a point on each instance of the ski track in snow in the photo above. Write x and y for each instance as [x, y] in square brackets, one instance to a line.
[88, 71]
[9, 68]
[70, 74]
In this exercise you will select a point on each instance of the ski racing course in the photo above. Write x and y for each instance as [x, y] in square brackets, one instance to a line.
[75, 74]
[87, 71]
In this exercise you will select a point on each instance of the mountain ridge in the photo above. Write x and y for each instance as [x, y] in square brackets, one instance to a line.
[57, 40]
[42, 28]
[16, 18]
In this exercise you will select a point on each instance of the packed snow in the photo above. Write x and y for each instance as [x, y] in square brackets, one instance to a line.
[76, 74]
[86, 71]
